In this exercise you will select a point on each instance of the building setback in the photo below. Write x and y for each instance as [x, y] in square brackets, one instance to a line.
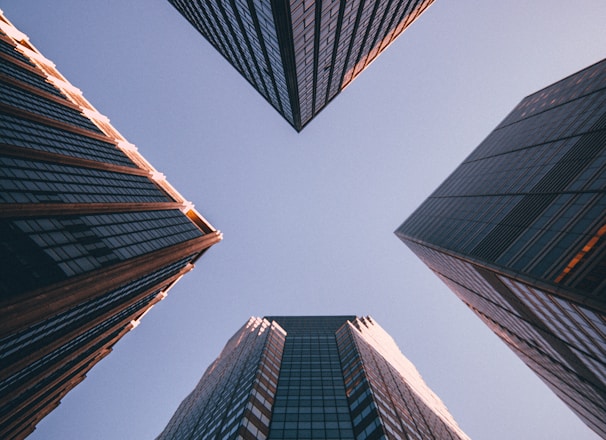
[91, 235]
[518, 233]
[300, 54]
[311, 377]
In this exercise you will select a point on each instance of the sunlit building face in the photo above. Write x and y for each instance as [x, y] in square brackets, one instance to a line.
[91, 235]
[311, 377]
[301, 54]
[518, 233]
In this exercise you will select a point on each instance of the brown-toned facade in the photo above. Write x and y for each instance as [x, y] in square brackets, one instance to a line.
[518, 232]
[299, 55]
[91, 235]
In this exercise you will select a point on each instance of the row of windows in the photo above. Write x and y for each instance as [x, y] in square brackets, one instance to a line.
[490, 305]
[307, 434]
[239, 397]
[535, 233]
[218, 403]
[573, 325]
[587, 81]
[458, 223]
[33, 103]
[27, 76]
[226, 17]
[27, 181]
[567, 234]
[513, 172]
[62, 378]
[269, 40]
[310, 412]
[221, 25]
[523, 337]
[403, 400]
[9, 49]
[29, 134]
[361, 403]
[310, 329]
[569, 119]
[58, 324]
[80, 244]
[565, 382]
[43, 364]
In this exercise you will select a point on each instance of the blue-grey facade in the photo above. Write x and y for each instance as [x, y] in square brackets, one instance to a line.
[91, 235]
[518, 232]
[311, 377]
[299, 55]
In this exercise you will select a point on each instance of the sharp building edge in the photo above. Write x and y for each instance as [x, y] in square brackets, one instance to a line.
[91, 235]
[518, 232]
[299, 55]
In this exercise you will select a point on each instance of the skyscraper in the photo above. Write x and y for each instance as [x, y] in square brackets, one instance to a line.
[518, 233]
[300, 54]
[311, 377]
[91, 235]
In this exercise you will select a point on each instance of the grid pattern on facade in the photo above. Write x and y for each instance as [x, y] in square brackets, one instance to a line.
[235, 395]
[44, 333]
[41, 366]
[561, 341]
[74, 368]
[551, 349]
[324, 377]
[362, 405]
[78, 244]
[299, 55]
[387, 396]
[21, 132]
[517, 233]
[27, 76]
[245, 34]
[310, 400]
[91, 235]
[9, 49]
[36, 104]
[29, 181]
[531, 196]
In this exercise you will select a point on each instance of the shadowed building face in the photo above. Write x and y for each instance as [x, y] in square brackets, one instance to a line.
[518, 232]
[300, 54]
[311, 377]
[91, 235]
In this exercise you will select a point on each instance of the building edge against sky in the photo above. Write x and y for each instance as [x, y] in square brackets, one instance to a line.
[518, 232]
[300, 55]
[92, 235]
[305, 377]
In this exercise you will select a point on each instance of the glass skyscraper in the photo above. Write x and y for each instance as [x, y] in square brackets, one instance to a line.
[91, 235]
[300, 54]
[312, 377]
[518, 232]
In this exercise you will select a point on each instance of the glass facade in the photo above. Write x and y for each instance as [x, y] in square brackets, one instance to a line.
[310, 402]
[91, 235]
[517, 232]
[300, 54]
[235, 395]
[320, 377]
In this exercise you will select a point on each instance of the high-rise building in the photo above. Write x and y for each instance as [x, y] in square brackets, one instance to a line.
[518, 232]
[300, 54]
[311, 377]
[91, 235]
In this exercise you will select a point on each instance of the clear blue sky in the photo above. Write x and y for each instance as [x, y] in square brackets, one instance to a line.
[308, 218]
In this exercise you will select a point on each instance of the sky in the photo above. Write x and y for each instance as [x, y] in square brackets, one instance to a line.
[308, 218]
